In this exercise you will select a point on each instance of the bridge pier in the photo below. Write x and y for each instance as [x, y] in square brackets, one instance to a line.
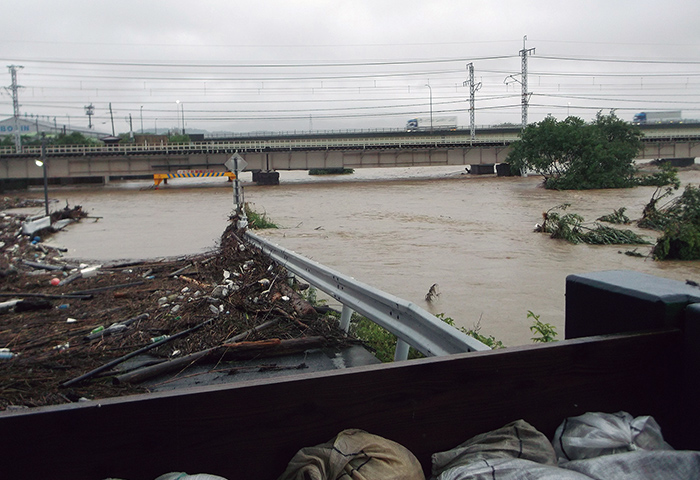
[266, 177]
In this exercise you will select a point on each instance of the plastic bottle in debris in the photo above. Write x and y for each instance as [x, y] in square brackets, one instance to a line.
[6, 354]
[159, 338]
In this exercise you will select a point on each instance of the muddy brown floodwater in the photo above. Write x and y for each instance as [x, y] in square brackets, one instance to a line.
[400, 230]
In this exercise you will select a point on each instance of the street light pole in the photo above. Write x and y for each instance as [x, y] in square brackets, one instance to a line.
[42, 163]
[182, 109]
[431, 105]
[177, 114]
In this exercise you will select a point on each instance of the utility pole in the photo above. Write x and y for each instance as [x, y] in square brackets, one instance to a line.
[431, 106]
[46, 178]
[89, 111]
[525, 95]
[523, 80]
[111, 116]
[13, 89]
[473, 87]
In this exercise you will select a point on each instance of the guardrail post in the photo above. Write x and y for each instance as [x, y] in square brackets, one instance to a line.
[345, 317]
[401, 352]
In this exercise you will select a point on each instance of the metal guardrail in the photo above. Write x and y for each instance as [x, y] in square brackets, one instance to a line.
[411, 324]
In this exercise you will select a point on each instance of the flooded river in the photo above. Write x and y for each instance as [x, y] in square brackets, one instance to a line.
[400, 230]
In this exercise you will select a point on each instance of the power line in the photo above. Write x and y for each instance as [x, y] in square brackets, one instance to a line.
[257, 65]
[621, 60]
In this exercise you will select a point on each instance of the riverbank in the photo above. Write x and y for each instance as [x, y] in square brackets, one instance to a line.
[61, 321]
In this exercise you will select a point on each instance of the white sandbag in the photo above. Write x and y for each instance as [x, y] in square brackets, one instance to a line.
[509, 469]
[640, 465]
[594, 434]
[518, 440]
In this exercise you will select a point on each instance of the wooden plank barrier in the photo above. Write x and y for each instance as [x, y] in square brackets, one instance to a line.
[252, 429]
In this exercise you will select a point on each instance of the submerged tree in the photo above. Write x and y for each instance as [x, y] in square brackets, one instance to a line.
[573, 154]
[679, 220]
[571, 227]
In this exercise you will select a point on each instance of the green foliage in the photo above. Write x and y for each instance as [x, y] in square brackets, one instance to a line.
[177, 138]
[618, 217]
[653, 217]
[545, 331]
[680, 241]
[682, 209]
[311, 296]
[474, 332]
[668, 175]
[570, 227]
[679, 219]
[331, 171]
[256, 220]
[380, 340]
[572, 154]
[74, 138]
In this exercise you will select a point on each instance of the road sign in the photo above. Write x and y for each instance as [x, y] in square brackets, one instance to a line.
[236, 163]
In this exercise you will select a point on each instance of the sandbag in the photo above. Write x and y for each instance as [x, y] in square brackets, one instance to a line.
[594, 434]
[640, 465]
[357, 454]
[517, 440]
[509, 469]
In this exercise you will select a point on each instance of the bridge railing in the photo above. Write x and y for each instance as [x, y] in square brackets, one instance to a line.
[256, 145]
[412, 325]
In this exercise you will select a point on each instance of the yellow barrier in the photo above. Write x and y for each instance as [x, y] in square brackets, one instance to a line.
[160, 177]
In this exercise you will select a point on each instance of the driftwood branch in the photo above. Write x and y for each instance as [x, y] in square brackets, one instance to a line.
[181, 270]
[183, 362]
[301, 306]
[109, 287]
[126, 357]
[47, 295]
[46, 266]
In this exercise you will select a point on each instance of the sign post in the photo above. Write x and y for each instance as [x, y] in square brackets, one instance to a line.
[236, 164]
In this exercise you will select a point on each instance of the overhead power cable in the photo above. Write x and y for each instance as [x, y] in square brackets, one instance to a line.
[253, 65]
[621, 60]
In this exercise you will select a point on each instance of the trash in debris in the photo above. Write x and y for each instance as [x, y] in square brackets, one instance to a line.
[51, 347]
[6, 354]
[159, 338]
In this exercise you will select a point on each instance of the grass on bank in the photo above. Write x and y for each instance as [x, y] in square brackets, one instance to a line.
[383, 343]
[257, 221]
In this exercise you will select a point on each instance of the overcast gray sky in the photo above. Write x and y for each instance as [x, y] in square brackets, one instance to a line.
[308, 64]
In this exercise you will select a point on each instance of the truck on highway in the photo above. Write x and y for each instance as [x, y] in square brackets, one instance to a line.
[671, 116]
[438, 123]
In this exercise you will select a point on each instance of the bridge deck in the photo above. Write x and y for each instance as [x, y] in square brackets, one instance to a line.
[394, 149]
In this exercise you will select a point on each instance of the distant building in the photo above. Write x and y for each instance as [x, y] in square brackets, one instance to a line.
[35, 125]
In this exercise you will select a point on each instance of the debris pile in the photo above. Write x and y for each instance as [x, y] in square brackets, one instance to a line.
[66, 330]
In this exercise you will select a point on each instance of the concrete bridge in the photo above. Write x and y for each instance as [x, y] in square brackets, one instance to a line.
[84, 163]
